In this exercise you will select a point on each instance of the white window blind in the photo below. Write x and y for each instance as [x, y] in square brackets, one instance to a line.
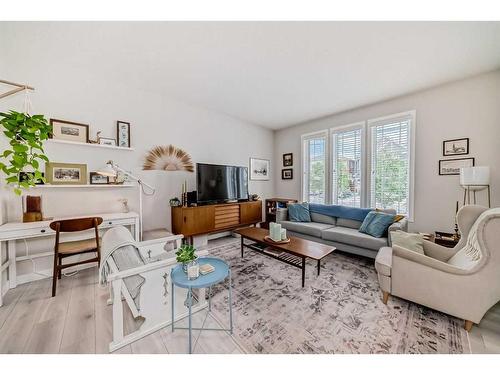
[347, 164]
[390, 165]
[314, 189]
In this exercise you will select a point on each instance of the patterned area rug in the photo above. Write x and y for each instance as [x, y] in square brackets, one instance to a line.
[338, 312]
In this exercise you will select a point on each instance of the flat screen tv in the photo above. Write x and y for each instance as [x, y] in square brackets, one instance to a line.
[221, 183]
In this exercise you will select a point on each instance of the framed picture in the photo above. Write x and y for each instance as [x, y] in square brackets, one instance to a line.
[456, 147]
[123, 133]
[287, 174]
[98, 179]
[452, 166]
[69, 131]
[288, 160]
[107, 141]
[66, 174]
[259, 169]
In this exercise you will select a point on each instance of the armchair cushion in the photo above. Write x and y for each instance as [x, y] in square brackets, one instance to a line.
[438, 252]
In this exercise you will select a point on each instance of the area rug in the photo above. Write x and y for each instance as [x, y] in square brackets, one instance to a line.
[338, 312]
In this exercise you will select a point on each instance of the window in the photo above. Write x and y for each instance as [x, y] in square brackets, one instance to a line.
[368, 164]
[391, 162]
[315, 166]
[347, 165]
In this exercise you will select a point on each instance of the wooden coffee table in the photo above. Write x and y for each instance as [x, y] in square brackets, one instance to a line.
[293, 253]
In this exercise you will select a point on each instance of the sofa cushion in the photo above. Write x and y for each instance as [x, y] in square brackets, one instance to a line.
[383, 261]
[299, 212]
[348, 223]
[351, 236]
[325, 219]
[376, 223]
[312, 228]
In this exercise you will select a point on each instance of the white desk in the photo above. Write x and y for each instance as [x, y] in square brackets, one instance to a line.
[10, 232]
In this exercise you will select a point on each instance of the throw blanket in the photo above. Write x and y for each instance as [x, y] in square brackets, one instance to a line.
[344, 212]
[119, 244]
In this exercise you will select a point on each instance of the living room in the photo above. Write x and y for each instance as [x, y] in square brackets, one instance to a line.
[243, 188]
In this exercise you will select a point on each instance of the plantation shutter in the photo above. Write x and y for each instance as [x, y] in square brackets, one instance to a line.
[390, 164]
[315, 169]
[346, 173]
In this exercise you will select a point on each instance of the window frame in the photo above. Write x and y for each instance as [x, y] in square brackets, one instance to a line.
[304, 190]
[412, 116]
[361, 125]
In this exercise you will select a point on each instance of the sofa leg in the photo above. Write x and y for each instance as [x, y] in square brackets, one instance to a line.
[468, 325]
[385, 297]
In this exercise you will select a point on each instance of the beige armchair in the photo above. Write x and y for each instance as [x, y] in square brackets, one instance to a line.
[463, 281]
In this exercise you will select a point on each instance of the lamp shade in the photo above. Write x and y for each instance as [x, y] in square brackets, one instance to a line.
[471, 176]
[108, 170]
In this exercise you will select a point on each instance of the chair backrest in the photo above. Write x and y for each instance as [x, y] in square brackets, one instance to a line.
[75, 225]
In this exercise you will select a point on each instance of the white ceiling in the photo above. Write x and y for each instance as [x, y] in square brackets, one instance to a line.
[273, 74]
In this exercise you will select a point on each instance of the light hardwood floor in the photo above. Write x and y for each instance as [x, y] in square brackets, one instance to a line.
[78, 320]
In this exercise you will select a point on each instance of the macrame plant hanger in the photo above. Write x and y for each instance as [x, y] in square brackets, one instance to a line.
[18, 87]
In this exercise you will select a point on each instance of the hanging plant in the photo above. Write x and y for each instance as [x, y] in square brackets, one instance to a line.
[26, 134]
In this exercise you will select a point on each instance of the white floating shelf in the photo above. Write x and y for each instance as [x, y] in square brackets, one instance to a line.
[95, 145]
[88, 186]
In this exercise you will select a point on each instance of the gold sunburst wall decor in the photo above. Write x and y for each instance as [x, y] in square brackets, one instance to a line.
[168, 158]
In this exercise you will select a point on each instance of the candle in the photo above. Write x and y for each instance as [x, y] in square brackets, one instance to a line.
[193, 271]
[283, 234]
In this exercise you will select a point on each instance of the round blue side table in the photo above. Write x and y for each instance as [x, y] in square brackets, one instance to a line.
[179, 278]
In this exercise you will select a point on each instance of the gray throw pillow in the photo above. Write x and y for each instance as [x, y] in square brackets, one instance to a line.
[410, 241]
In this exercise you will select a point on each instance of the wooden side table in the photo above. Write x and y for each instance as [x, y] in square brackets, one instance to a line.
[444, 239]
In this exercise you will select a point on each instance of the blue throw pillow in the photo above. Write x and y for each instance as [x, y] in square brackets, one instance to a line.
[299, 212]
[376, 223]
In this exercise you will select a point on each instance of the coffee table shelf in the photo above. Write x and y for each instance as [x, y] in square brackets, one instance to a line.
[293, 253]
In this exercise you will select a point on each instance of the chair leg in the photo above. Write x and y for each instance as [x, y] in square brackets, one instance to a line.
[468, 325]
[385, 297]
[54, 275]
[59, 272]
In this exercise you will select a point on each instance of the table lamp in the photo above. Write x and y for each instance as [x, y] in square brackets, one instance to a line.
[111, 170]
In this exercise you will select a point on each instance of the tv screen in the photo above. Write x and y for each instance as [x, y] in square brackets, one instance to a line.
[219, 183]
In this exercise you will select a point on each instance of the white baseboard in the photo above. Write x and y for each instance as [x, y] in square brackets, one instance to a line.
[44, 274]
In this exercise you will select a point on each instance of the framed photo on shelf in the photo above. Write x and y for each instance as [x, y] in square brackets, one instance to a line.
[287, 174]
[259, 169]
[450, 167]
[98, 179]
[456, 147]
[66, 174]
[69, 131]
[107, 141]
[288, 160]
[123, 133]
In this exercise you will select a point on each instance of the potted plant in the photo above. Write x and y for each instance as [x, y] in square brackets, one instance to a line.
[26, 136]
[185, 255]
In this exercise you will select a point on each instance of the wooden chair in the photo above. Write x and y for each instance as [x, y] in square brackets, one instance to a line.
[70, 248]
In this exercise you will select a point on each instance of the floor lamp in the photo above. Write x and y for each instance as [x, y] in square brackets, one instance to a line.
[111, 170]
[475, 179]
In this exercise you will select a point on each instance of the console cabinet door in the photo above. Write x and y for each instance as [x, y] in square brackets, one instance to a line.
[197, 220]
[251, 212]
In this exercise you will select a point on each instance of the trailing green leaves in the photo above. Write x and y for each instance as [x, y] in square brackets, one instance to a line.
[26, 136]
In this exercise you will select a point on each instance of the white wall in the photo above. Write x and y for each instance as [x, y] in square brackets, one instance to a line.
[468, 108]
[86, 97]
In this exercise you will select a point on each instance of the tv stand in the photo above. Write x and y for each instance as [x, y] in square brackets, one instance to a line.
[213, 218]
